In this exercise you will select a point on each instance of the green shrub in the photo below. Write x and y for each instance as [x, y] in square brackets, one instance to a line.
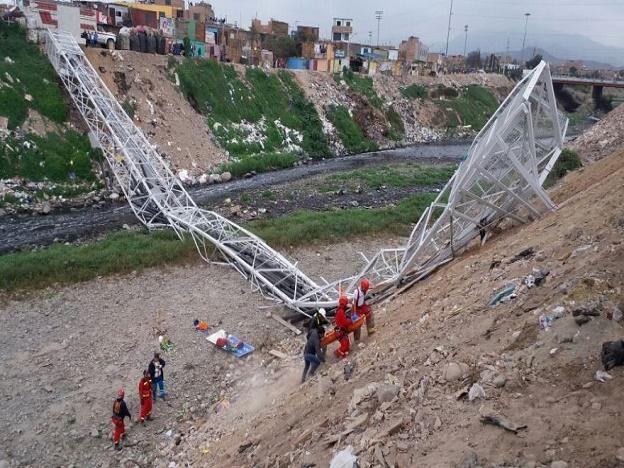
[473, 107]
[362, 85]
[396, 129]
[350, 134]
[259, 163]
[36, 77]
[568, 161]
[216, 91]
[414, 91]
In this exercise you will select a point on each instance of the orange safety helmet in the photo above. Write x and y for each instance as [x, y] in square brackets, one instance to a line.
[120, 393]
[343, 301]
[365, 285]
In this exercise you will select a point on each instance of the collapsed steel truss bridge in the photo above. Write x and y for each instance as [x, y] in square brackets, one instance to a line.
[501, 178]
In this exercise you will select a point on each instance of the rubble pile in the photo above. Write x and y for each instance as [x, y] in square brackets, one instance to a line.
[601, 139]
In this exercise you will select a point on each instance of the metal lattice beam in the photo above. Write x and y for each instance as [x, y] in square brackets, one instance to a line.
[501, 178]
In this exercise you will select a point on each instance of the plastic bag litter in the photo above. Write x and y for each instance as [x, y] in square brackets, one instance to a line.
[476, 391]
[546, 320]
[344, 459]
[504, 295]
[602, 376]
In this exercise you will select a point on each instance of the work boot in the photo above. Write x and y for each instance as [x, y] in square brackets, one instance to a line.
[118, 446]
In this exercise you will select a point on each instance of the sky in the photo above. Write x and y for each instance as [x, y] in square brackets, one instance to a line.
[600, 20]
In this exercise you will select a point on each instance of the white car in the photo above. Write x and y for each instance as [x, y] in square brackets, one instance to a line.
[103, 38]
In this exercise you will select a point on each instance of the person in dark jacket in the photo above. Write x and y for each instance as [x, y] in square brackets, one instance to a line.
[120, 412]
[312, 354]
[156, 370]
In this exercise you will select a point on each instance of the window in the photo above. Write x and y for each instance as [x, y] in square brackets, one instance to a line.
[345, 37]
[179, 13]
[161, 14]
[348, 23]
[118, 14]
[168, 2]
[336, 36]
[196, 16]
[338, 23]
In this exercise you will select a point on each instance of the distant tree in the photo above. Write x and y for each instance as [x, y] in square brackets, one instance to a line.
[473, 60]
[534, 62]
[573, 71]
[282, 46]
[187, 46]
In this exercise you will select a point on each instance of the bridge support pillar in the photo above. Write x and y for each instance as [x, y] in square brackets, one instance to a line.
[597, 94]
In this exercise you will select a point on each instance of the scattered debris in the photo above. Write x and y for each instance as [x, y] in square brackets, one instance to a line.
[288, 325]
[501, 422]
[612, 354]
[602, 376]
[278, 354]
[523, 254]
[476, 391]
[504, 295]
[546, 320]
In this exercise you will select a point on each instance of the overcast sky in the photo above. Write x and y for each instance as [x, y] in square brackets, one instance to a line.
[600, 20]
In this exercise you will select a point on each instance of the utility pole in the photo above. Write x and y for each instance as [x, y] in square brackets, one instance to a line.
[507, 48]
[448, 33]
[370, 38]
[378, 15]
[526, 22]
[465, 39]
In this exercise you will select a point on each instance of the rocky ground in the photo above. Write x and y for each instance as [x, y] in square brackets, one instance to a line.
[405, 402]
[603, 138]
[160, 110]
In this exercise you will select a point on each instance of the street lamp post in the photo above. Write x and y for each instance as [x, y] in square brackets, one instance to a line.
[465, 39]
[526, 22]
[448, 32]
[378, 15]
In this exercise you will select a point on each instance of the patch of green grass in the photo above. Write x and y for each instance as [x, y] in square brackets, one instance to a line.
[272, 102]
[129, 108]
[59, 158]
[396, 129]
[120, 252]
[269, 195]
[123, 252]
[473, 107]
[31, 73]
[350, 133]
[393, 176]
[305, 227]
[568, 161]
[259, 163]
[414, 91]
[362, 85]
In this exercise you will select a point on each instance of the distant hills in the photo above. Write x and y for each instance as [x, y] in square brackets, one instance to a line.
[555, 47]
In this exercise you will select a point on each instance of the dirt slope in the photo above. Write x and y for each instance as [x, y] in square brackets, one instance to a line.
[603, 138]
[543, 379]
[161, 111]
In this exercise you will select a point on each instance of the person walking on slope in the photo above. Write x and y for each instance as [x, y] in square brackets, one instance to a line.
[319, 319]
[343, 322]
[361, 307]
[145, 397]
[120, 411]
[312, 354]
[156, 371]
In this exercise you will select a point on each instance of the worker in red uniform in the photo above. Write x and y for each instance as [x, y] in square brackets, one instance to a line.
[145, 397]
[120, 411]
[361, 307]
[343, 322]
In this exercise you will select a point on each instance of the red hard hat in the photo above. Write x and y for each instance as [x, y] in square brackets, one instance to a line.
[343, 301]
[365, 284]
[120, 393]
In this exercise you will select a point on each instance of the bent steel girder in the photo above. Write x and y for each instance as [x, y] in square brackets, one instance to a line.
[501, 178]
[156, 195]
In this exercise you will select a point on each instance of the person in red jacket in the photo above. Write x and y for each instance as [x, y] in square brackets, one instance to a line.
[120, 411]
[361, 307]
[145, 397]
[343, 322]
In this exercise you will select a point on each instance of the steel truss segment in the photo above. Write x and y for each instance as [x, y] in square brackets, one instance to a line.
[498, 177]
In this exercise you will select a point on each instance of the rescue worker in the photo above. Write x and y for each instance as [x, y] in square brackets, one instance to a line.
[312, 354]
[361, 307]
[120, 411]
[319, 319]
[158, 378]
[343, 322]
[145, 397]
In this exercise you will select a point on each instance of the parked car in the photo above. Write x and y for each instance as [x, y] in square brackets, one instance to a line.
[102, 37]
